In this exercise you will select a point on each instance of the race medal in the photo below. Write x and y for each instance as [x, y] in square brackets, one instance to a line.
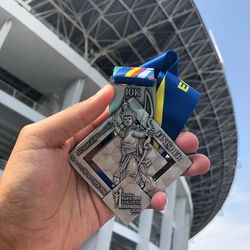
[129, 157]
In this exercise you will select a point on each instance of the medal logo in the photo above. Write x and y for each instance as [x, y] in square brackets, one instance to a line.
[127, 201]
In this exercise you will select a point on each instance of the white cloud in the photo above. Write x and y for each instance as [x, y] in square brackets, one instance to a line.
[231, 230]
[222, 234]
[239, 196]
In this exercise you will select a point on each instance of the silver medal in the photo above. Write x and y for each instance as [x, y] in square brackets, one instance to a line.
[129, 157]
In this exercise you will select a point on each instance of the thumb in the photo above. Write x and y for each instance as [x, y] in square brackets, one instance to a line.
[56, 129]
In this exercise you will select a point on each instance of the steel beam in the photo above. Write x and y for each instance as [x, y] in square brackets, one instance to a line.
[5, 29]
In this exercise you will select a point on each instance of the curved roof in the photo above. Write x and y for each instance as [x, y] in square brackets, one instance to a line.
[119, 32]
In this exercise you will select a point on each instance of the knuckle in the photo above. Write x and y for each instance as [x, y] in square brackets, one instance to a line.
[27, 130]
[84, 119]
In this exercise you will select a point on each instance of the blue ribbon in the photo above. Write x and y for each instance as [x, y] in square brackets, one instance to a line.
[175, 99]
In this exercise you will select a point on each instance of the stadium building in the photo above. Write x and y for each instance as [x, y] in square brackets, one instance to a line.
[54, 53]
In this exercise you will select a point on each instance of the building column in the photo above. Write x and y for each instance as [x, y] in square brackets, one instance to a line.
[180, 227]
[73, 93]
[53, 102]
[168, 218]
[145, 224]
[4, 32]
[102, 239]
[187, 227]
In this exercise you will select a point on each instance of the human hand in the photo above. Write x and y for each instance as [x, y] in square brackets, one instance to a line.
[44, 203]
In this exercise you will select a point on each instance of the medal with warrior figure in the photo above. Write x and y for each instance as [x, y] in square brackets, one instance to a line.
[134, 145]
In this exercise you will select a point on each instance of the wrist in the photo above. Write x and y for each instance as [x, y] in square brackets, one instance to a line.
[8, 234]
[12, 236]
[16, 235]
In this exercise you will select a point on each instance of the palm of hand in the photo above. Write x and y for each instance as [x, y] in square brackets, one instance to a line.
[62, 205]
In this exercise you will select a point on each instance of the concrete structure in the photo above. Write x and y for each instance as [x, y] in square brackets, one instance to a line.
[54, 53]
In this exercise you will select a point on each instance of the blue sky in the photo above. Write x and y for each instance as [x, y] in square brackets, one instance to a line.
[229, 22]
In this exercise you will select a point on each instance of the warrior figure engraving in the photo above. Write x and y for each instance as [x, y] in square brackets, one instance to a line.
[133, 159]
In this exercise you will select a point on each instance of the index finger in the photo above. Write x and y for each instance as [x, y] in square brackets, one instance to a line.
[56, 129]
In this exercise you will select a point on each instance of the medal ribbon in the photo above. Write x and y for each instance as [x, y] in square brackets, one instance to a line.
[175, 99]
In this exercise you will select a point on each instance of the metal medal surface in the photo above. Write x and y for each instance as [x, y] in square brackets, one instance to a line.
[129, 157]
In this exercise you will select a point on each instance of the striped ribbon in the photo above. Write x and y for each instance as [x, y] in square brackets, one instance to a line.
[134, 75]
[175, 99]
